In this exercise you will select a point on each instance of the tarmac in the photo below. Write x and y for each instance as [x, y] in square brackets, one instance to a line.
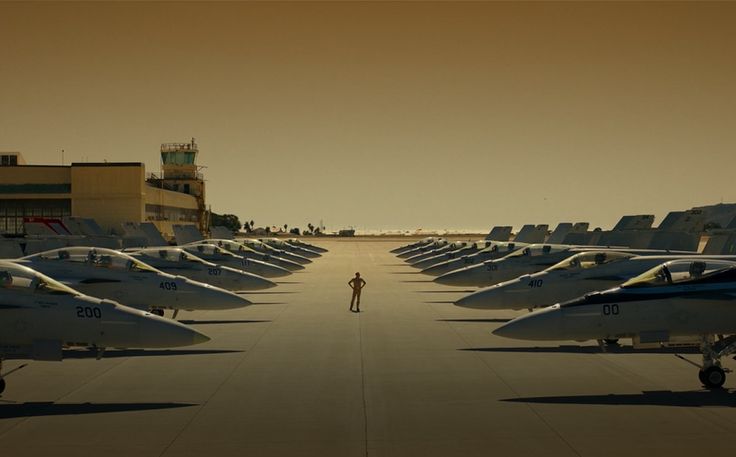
[297, 374]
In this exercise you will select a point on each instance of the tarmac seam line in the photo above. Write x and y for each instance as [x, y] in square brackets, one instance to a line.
[511, 388]
[362, 386]
[227, 378]
[61, 397]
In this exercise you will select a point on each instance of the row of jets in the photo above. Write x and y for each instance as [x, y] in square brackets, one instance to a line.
[99, 298]
[581, 293]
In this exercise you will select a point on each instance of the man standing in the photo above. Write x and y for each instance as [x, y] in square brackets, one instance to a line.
[357, 284]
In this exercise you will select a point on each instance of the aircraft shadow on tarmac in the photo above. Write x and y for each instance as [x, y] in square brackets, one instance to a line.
[113, 353]
[496, 321]
[404, 272]
[265, 293]
[442, 291]
[242, 321]
[8, 411]
[588, 350]
[688, 399]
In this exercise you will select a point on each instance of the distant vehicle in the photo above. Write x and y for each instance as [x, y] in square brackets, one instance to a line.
[39, 316]
[178, 261]
[575, 276]
[681, 298]
[106, 273]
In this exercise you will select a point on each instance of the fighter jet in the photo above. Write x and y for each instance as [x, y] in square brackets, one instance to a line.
[681, 298]
[178, 261]
[111, 274]
[286, 246]
[264, 248]
[242, 250]
[438, 243]
[450, 247]
[416, 244]
[465, 249]
[39, 316]
[530, 259]
[302, 243]
[577, 275]
[495, 251]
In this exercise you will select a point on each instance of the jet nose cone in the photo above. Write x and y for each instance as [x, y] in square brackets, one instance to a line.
[474, 300]
[199, 338]
[540, 325]
[453, 278]
[216, 298]
[255, 282]
[158, 332]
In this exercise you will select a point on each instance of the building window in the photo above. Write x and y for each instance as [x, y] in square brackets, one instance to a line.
[12, 212]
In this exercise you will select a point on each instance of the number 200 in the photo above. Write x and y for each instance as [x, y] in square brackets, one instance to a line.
[89, 312]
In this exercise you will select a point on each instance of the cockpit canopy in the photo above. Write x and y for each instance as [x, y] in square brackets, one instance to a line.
[18, 278]
[537, 250]
[231, 245]
[679, 271]
[98, 257]
[211, 249]
[589, 259]
[172, 255]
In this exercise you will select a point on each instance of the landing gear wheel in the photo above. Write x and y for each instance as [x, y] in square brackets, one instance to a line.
[712, 377]
[611, 341]
[158, 312]
[2, 385]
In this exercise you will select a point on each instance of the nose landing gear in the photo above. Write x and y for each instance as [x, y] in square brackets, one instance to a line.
[711, 374]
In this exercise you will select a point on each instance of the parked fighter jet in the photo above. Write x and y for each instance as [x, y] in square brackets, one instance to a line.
[39, 316]
[264, 248]
[577, 275]
[438, 243]
[530, 259]
[416, 244]
[495, 251]
[111, 274]
[681, 298]
[178, 261]
[242, 250]
[449, 247]
[466, 248]
[302, 243]
[286, 246]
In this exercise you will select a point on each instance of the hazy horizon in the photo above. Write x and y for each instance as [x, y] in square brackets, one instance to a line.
[389, 115]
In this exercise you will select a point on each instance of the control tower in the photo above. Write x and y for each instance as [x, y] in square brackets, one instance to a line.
[180, 173]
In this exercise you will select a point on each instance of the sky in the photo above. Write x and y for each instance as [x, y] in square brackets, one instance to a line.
[382, 115]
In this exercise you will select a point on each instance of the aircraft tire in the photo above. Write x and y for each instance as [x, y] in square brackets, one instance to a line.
[2, 385]
[611, 341]
[713, 377]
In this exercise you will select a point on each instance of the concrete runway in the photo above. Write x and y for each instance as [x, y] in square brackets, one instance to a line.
[299, 375]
